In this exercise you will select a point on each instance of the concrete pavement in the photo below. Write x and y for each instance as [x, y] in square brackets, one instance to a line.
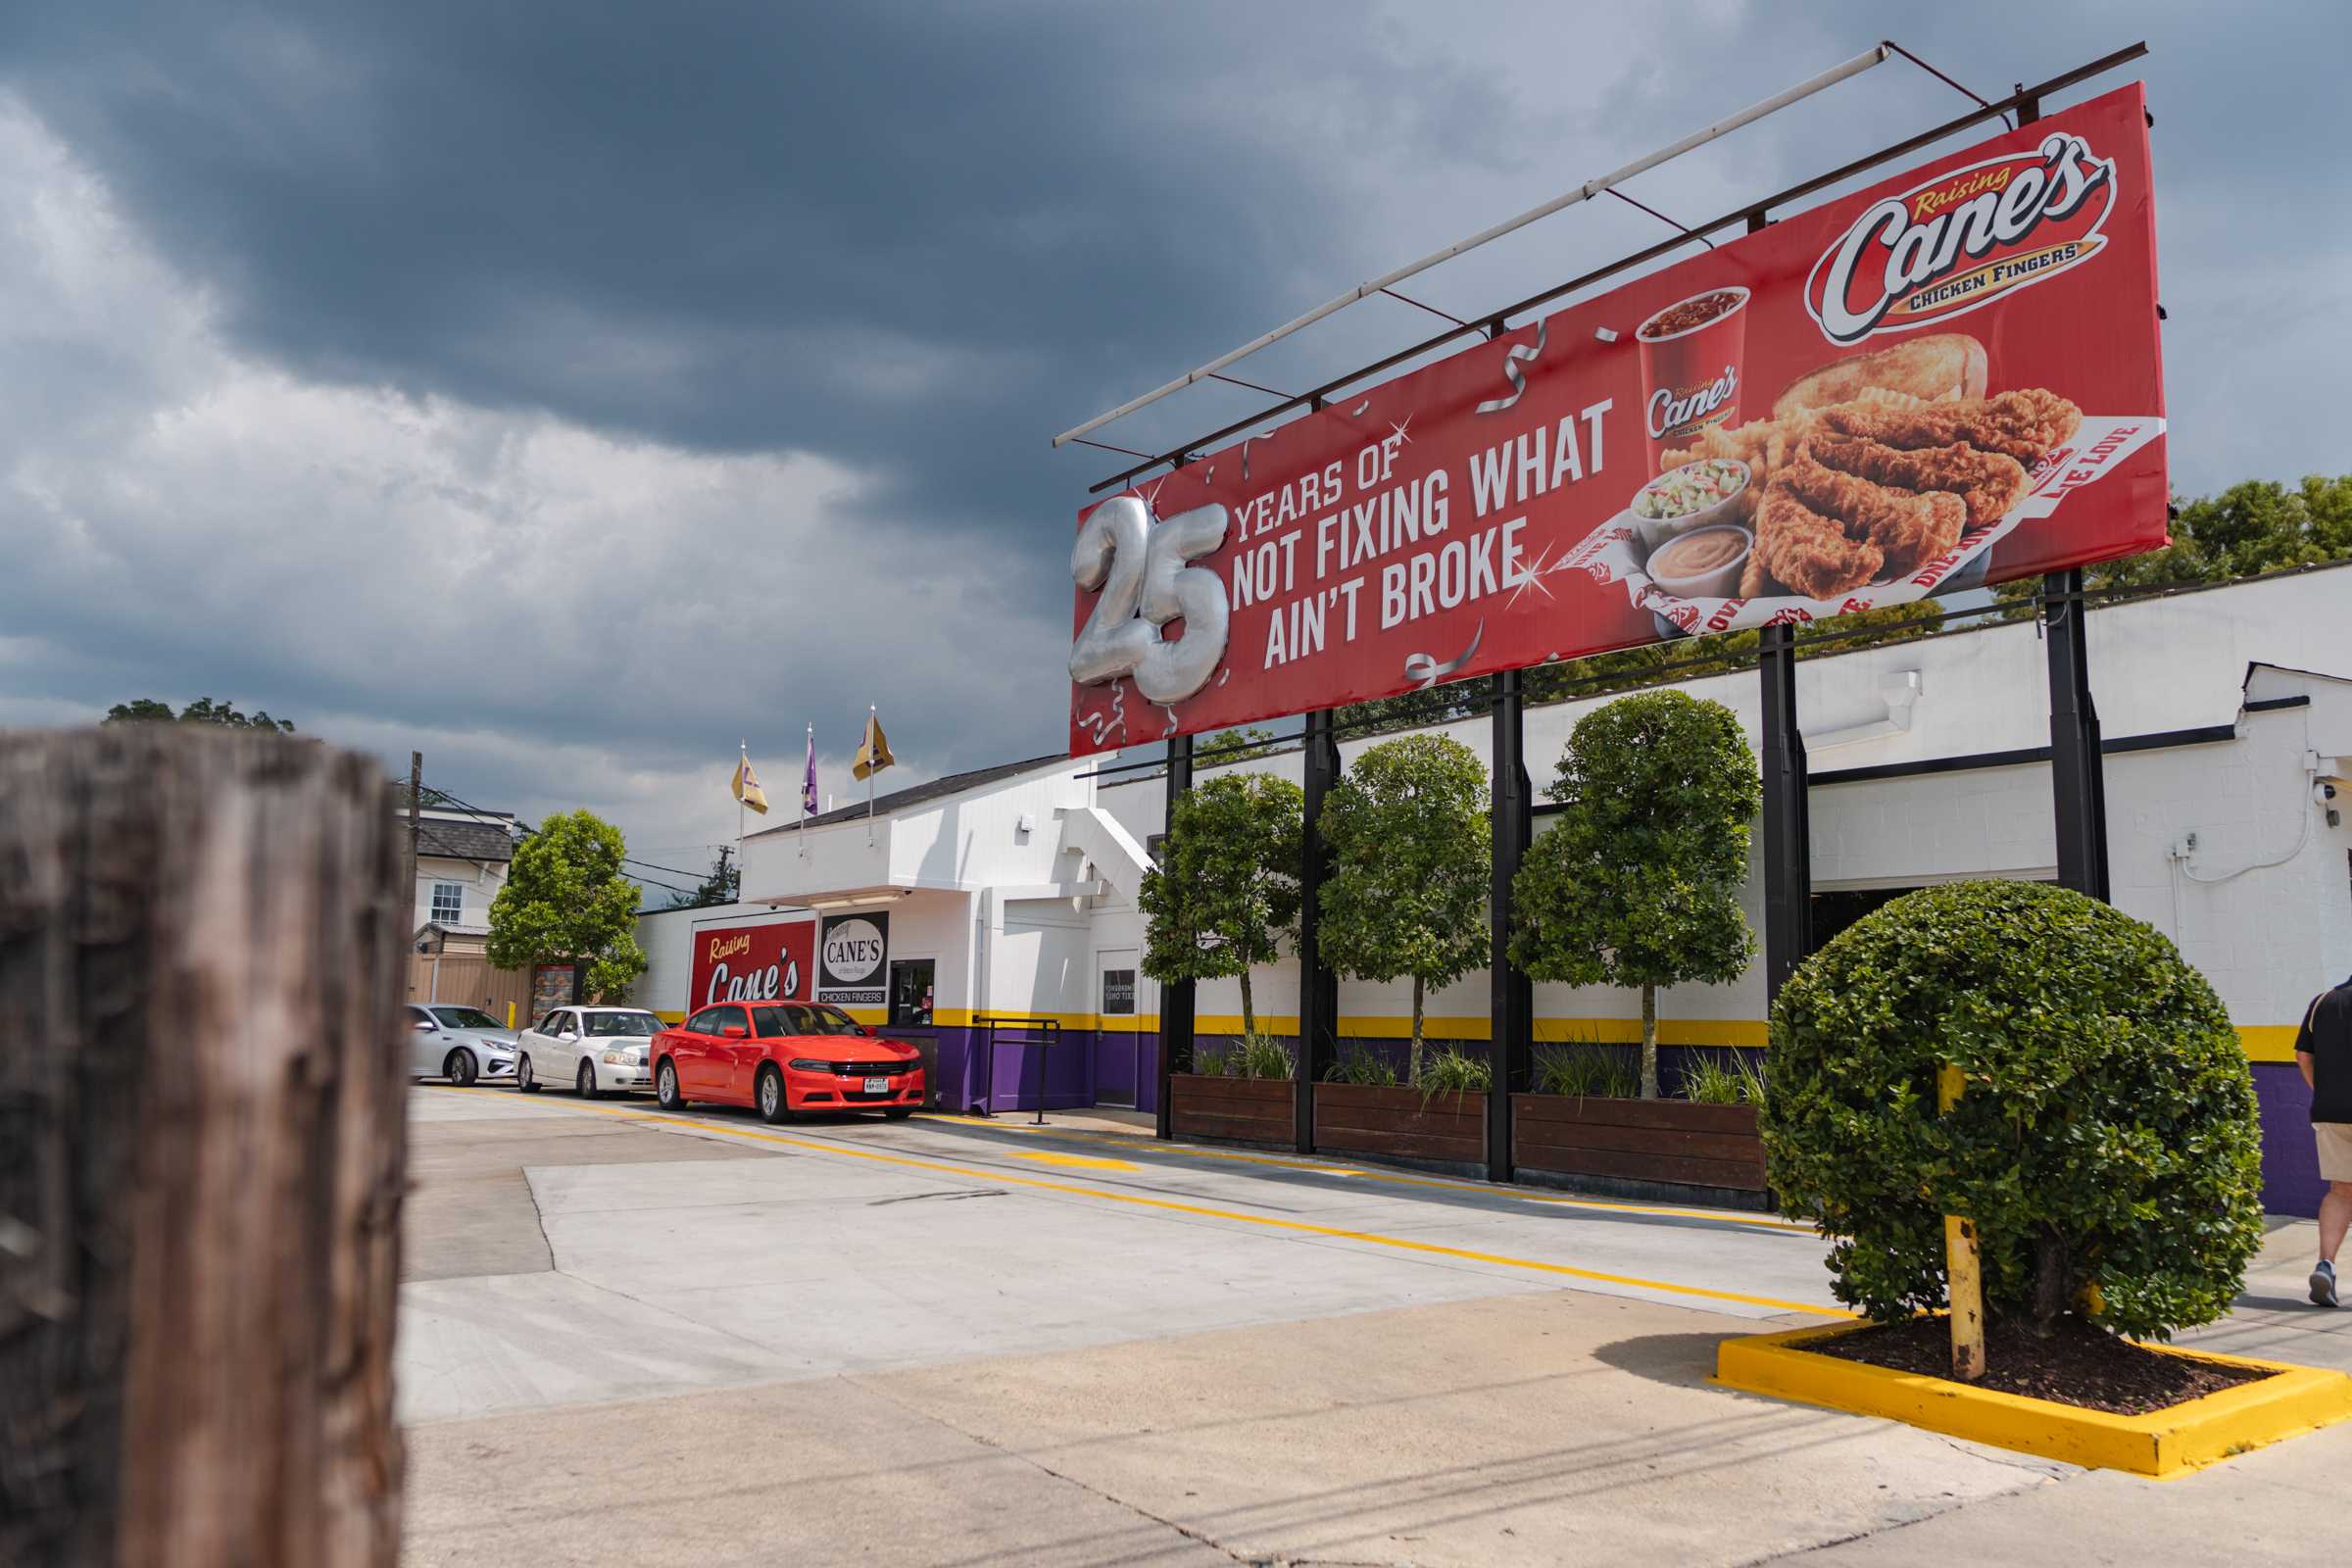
[942, 1342]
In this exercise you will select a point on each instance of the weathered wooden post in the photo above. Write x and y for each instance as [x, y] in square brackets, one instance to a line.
[202, 1150]
[1963, 1267]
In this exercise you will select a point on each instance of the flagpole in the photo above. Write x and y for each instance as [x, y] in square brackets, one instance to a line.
[872, 717]
[807, 783]
[743, 759]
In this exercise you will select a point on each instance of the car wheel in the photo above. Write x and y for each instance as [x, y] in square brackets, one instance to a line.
[586, 1082]
[460, 1068]
[773, 1105]
[665, 1087]
[523, 1076]
[898, 1113]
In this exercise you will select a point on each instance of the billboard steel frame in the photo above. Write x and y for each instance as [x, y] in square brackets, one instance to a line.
[2077, 762]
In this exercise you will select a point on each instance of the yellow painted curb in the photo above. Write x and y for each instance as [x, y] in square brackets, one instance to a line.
[2164, 1444]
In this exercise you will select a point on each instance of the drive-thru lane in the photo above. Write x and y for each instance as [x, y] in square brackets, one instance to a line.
[818, 1247]
[644, 1339]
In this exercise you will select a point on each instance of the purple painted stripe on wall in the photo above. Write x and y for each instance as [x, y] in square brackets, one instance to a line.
[2291, 1160]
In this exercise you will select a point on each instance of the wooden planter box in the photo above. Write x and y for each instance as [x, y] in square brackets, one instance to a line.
[1242, 1111]
[1398, 1124]
[1650, 1142]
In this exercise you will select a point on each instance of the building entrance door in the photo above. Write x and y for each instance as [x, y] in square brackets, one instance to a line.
[1118, 1045]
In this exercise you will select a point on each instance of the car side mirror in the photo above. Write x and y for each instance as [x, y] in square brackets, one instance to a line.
[568, 1035]
[866, 1029]
[423, 1024]
[734, 1031]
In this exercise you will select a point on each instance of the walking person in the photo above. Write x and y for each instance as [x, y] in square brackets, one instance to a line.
[2324, 1051]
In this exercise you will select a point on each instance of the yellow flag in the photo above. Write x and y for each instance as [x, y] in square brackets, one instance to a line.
[873, 751]
[747, 787]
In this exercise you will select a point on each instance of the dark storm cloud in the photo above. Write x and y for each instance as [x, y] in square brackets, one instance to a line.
[908, 236]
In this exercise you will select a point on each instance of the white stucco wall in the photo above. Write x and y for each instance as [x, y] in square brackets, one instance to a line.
[2263, 905]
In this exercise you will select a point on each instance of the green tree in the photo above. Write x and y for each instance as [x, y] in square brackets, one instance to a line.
[721, 886]
[2248, 529]
[566, 898]
[1238, 744]
[1225, 893]
[1412, 856]
[1637, 881]
[203, 710]
[2105, 1141]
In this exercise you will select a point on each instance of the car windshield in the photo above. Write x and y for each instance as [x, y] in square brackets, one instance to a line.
[466, 1018]
[623, 1023]
[807, 1020]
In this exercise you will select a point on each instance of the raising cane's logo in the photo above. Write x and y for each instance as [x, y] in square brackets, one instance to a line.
[1963, 239]
[1678, 412]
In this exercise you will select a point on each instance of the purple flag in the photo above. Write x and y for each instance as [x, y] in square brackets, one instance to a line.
[808, 776]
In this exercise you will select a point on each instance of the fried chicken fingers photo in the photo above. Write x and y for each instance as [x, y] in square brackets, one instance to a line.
[1990, 482]
[1908, 526]
[2024, 425]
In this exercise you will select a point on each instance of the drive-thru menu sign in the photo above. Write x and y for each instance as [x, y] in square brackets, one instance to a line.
[1948, 378]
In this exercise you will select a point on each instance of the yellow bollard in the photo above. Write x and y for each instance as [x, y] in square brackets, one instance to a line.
[510, 1015]
[1963, 1276]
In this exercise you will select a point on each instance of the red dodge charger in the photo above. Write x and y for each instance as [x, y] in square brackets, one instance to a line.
[783, 1057]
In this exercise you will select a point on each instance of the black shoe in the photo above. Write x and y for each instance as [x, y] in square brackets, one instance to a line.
[2323, 1283]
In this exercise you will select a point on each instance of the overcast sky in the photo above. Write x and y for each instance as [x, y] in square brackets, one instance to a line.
[569, 390]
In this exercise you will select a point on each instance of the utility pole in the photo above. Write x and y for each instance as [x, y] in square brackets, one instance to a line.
[415, 818]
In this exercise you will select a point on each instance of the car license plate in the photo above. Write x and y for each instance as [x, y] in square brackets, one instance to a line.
[877, 1086]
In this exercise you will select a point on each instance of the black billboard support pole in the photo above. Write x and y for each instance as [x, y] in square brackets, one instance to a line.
[2078, 764]
[1175, 998]
[1787, 822]
[1318, 987]
[1511, 1003]
[1788, 814]
[2078, 767]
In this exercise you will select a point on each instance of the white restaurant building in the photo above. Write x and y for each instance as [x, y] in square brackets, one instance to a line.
[2226, 712]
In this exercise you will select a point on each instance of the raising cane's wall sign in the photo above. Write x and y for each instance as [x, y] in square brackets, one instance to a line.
[766, 961]
[1947, 379]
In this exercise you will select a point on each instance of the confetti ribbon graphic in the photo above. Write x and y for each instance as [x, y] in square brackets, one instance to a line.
[1425, 672]
[1519, 353]
[1102, 727]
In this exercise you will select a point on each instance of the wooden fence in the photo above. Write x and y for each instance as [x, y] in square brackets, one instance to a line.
[469, 980]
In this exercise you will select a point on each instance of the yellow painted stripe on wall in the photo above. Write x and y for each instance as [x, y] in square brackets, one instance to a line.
[1548, 1031]
[2262, 1042]
[2268, 1042]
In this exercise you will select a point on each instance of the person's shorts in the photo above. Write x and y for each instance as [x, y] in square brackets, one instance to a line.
[2335, 1150]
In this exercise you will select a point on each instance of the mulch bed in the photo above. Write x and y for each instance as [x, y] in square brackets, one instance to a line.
[2080, 1364]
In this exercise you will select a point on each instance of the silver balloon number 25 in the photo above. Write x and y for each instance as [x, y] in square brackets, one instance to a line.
[1145, 584]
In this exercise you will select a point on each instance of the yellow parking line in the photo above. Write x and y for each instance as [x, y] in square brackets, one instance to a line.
[1049, 1157]
[1266, 1221]
[1394, 1178]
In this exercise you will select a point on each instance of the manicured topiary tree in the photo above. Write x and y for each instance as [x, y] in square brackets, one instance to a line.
[2105, 1141]
[1411, 858]
[1225, 893]
[1637, 883]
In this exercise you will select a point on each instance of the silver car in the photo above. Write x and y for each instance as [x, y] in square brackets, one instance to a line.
[463, 1044]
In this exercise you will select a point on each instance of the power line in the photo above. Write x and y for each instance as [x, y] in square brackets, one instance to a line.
[442, 797]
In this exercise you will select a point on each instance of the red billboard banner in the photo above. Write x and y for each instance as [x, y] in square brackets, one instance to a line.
[772, 961]
[1949, 379]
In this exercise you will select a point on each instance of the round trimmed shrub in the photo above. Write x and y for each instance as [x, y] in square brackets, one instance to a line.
[2105, 1142]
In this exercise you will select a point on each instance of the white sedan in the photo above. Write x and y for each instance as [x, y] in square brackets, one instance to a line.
[594, 1049]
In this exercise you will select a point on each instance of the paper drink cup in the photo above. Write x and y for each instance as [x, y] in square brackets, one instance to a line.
[1694, 358]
